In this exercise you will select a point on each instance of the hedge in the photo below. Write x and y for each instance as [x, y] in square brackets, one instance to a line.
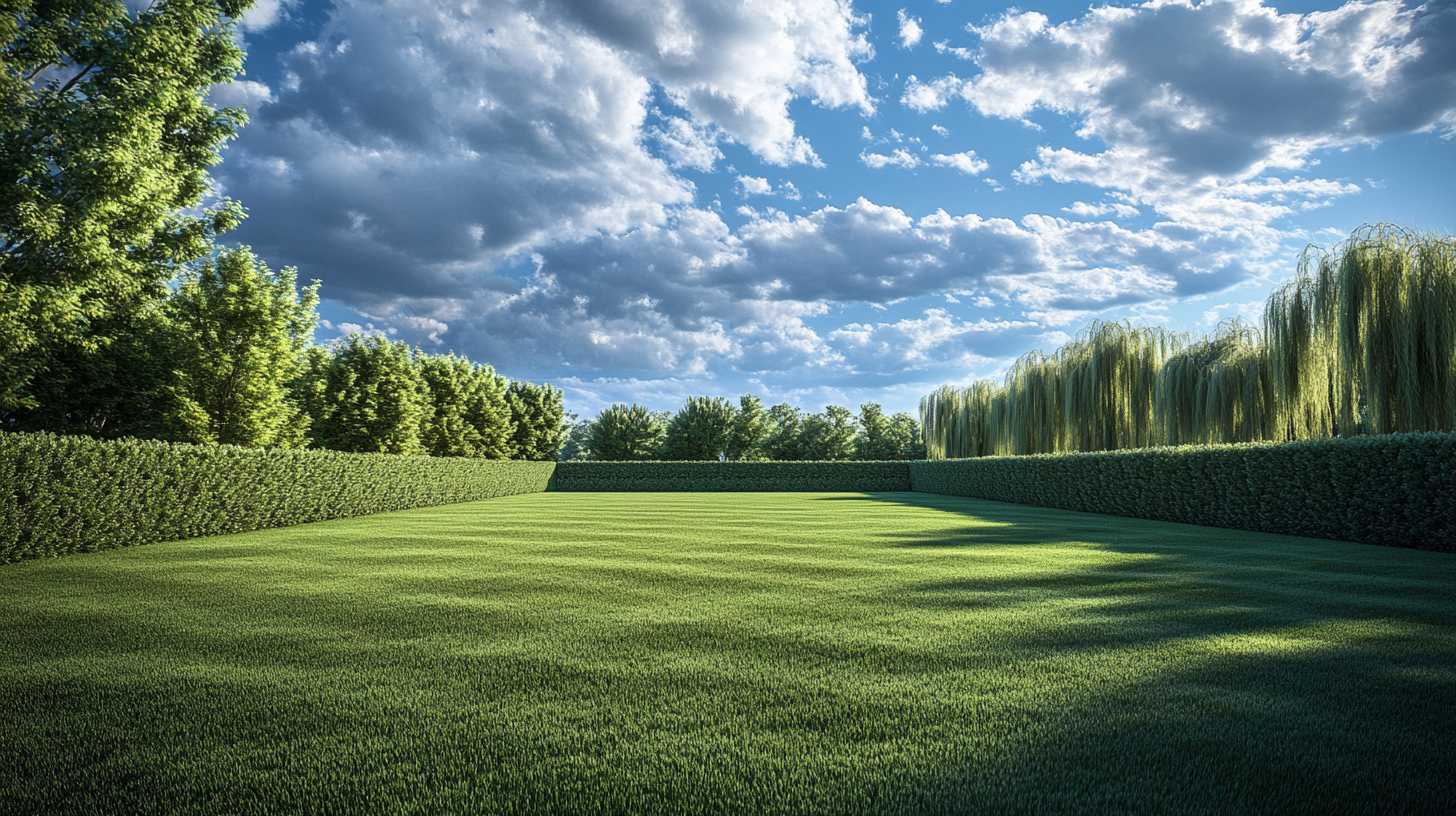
[66, 494]
[731, 476]
[1397, 490]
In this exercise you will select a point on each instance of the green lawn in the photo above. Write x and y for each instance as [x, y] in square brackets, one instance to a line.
[730, 653]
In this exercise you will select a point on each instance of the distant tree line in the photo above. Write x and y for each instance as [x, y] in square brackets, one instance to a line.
[227, 358]
[707, 428]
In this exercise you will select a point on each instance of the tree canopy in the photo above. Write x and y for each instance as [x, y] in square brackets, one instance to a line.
[702, 429]
[105, 137]
[624, 433]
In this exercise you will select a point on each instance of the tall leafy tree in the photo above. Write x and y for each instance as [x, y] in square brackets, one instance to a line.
[701, 430]
[624, 433]
[470, 416]
[876, 439]
[783, 443]
[905, 431]
[241, 333]
[751, 427]
[105, 137]
[829, 435]
[374, 399]
[539, 426]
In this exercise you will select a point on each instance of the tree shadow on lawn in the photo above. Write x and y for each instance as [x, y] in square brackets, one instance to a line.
[1235, 671]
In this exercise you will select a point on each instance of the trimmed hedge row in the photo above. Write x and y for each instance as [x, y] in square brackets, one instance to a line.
[731, 476]
[1397, 490]
[66, 494]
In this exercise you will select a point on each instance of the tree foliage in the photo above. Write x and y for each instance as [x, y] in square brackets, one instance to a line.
[105, 137]
[374, 399]
[624, 433]
[241, 331]
[829, 436]
[751, 427]
[469, 417]
[905, 431]
[874, 441]
[538, 421]
[702, 429]
[783, 441]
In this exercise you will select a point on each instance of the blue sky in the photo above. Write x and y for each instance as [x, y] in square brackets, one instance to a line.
[817, 201]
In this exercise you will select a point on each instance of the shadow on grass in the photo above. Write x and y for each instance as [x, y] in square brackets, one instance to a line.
[1239, 672]
[1077, 664]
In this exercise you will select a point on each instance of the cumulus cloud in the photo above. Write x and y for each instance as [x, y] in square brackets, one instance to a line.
[752, 185]
[264, 14]
[416, 146]
[1195, 100]
[693, 298]
[900, 157]
[686, 144]
[934, 95]
[1086, 210]
[967, 162]
[909, 30]
[241, 93]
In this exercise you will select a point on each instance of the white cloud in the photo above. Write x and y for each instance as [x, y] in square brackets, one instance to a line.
[687, 144]
[940, 130]
[1084, 209]
[1229, 87]
[967, 162]
[241, 93]
[530, 122]
[920, 96]
[909, 30]
[900, 157]
[1201, 106]
[752, 185]
[263, 15]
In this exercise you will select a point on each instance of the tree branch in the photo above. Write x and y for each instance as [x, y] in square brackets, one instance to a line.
[37, 72]
[77, 78]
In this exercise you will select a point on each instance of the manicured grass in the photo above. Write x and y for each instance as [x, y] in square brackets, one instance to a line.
[735, 654]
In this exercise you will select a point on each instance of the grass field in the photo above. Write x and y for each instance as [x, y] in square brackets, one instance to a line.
[735, 654]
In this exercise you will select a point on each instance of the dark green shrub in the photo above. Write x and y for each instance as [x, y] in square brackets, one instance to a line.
[732, 476]
[1397, 490]
[66, 494]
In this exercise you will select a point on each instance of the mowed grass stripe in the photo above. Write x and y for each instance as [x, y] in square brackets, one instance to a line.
[730, 653]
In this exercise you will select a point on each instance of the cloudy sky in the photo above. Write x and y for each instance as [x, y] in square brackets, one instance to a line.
[813, 200]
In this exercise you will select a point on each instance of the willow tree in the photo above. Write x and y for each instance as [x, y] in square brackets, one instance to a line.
[1393, 294]
[1217, 390]
[105, 137]
[1361, 340]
